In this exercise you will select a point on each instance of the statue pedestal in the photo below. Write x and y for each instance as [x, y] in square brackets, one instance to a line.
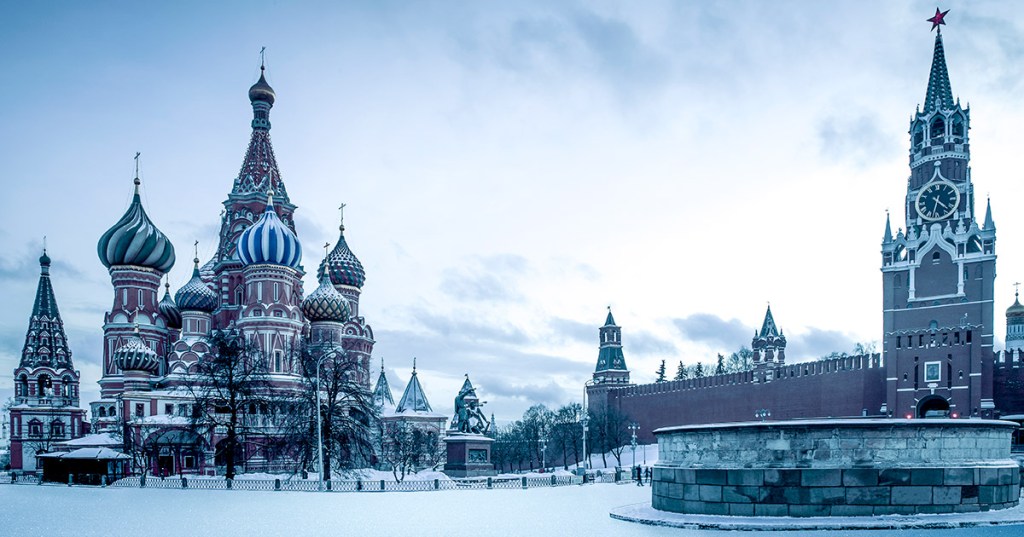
[469, 455]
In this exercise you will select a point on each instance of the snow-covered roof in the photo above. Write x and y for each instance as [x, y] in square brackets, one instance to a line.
[95, 453]
[163, 419]
[414, 399]
[92, 440]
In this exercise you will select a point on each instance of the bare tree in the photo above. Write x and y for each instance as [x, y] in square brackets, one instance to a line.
[408, 447]
[536, 420]
[227, 382]
[566, 431]
[348, 417]
[741, 360]
[615, 432]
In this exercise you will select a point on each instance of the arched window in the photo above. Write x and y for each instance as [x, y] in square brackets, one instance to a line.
[111, 412]
[65, 387]
[958, 126]
[102, 412]
[45, 386]
[918, 134]
[22, 387]
[936, 258]
[938, 128]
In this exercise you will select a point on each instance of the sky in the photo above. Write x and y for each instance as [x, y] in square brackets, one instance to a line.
[510, 169]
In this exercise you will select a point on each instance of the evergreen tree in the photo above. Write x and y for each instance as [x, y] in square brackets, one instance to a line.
[681, 372]
[698, 370]
[661, 372]
[720, 368]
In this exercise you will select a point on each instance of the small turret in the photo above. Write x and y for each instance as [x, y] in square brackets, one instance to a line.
[611, 363]
[413, 399]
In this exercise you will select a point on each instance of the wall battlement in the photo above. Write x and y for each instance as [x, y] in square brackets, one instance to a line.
[770, 374]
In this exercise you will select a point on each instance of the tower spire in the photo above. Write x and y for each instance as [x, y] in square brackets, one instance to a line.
[940, 94]
[45, 342]
[989, 223]
[888, 230]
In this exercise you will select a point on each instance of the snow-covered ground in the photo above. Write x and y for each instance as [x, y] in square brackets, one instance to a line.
[564, 511]
[646, 455]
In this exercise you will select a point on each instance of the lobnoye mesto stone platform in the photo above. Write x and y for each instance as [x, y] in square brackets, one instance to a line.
[836, 467]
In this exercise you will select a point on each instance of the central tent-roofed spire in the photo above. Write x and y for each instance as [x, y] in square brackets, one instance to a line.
[940, 93]
[258, 177]
[259, 173]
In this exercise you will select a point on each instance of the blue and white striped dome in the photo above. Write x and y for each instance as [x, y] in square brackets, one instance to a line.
[269, 241]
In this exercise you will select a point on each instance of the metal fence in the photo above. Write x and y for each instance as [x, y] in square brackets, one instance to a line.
[335, 485]
[359, 485]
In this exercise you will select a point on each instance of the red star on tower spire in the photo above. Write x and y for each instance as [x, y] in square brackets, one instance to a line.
[938, 19]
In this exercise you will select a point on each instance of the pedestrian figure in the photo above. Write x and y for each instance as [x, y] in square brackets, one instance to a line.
[650, 474]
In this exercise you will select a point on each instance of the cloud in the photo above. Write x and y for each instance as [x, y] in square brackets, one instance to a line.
[714, 331]
[486, 279]
[559, 45]
[815, 343]
[468, 328]
[25, 267]
[570, 330]
[856, 140]
[622, 59]
[530, 393]
[643, 343]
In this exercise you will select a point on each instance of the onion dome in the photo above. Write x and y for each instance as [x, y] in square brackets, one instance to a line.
[169, 310]
[134, 355]
[269, 241]
[326, 304]
[195, 295]
[1016, 310]
[261, 91]
[134, 240]
[342, 265]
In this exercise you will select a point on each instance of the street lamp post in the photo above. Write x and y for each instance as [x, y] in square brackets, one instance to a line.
[543, 453]
[319, 427]
[633, 427]
[586, 421]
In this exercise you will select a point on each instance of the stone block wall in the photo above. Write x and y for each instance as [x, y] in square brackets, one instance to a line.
[836, 443]
[836, 468]
[834, 491]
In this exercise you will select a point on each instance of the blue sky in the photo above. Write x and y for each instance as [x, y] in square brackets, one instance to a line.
[510, 169]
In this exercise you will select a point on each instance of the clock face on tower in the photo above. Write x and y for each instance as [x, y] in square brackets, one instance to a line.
[937, 200]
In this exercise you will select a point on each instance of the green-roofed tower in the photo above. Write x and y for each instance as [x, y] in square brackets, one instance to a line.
[611, 363]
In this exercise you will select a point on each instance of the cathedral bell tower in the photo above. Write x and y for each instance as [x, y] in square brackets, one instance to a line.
[938, 275]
